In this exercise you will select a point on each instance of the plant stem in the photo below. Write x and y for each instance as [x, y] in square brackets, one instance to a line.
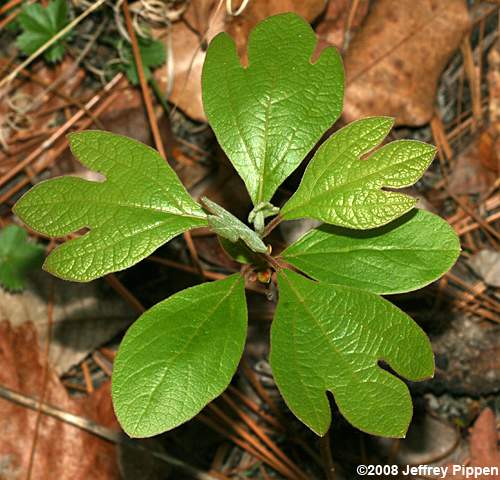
[272, 225]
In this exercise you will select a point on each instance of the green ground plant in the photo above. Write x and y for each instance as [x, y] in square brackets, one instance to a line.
[331, 328]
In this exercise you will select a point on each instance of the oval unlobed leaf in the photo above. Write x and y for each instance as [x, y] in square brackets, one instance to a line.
[233, 229]
[179, 356]
[339, 188]
[268, 116]
[407, 254]
[140, 206]
[330, 338]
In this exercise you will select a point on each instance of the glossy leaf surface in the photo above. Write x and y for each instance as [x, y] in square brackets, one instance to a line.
[140, 206]
[179, 356]
[268, 116]
[341, 189]
[404, 255]
[329, 338]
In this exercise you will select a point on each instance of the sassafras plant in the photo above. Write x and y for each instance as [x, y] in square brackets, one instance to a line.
[331, 327]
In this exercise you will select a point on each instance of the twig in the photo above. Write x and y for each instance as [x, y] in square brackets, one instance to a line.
[9, 6]
[186, 268]
[326, 456]
[272, 225]
[268, 456]
[89, 385]
[475, 86]
[142, 80]
[125, 293]
[260, 433]
[60, 131]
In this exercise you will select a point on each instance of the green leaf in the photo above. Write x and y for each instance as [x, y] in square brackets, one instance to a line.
[139, 207]
[404, 255]
[228, 226]
[179, 356]
[152, 55]
[267, 117]
[340, 189]
[17, 257]
[329, 338]
[39, 25]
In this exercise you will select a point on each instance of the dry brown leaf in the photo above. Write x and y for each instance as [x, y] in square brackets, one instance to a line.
[483, 446]
[472, 171]
[332, 28]
[84, 316]
[394, 62]
[202, 21]
[62, 452]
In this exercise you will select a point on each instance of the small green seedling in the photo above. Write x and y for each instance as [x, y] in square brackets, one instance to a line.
[39, 24]
[18, 257]
[331, 327]
[153, 55]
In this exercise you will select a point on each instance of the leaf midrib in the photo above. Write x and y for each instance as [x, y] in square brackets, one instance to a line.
[332, 345]
[183, 350]
[366, 249]
[118, 204]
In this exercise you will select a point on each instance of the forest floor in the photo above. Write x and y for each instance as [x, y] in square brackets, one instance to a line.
[433, 65]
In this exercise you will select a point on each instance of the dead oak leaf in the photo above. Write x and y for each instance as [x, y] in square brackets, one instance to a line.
[483, 447]
[394, 62]
[62, 452]
[335, 21]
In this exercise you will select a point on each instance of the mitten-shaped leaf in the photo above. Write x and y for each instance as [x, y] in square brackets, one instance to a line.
[341, 189]
[179, 356]
[329, 338]
[268, 116]
[139, 206]
[404, 255]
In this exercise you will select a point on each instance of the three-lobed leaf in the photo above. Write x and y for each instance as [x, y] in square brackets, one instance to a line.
[330, 338]
[140, 206]
[268, 116]
[179, 356]
[39, 25]
[404, 255]
[18, 257]
[341, 189]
